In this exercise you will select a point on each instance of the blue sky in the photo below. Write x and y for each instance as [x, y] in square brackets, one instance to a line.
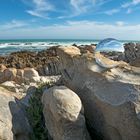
[70, 19]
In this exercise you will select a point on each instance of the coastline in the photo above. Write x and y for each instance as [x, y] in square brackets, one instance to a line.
[67, 81]
[9, 46]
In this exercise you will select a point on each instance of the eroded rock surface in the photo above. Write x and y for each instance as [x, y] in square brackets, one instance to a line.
[63, 114]
[111, 97]
[13, 122]
[19, 75]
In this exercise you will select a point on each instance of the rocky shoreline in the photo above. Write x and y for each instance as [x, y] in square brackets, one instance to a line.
[62, 94]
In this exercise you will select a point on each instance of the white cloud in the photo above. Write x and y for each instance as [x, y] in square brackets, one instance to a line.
[120, 23]
[129, 11]
[135, 2]
[40, 8]
[125, 5]
[129, 4]
[77, 29]
[84, 5]
[72, 8]
[112, 11]
[78, 5]
[14, 24]
[36, 13]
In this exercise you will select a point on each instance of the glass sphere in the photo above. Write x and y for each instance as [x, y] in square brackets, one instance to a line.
[108, 52]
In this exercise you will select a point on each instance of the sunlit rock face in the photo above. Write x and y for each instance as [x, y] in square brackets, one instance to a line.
[111, 97]
[107, 51]
[64, 114]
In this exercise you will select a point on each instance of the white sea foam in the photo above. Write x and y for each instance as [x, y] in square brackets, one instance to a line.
[12, 46]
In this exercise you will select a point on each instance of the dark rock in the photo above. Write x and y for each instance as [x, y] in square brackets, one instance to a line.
[132, 54]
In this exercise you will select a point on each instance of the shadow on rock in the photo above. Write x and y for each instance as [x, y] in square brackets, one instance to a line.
[20, 125]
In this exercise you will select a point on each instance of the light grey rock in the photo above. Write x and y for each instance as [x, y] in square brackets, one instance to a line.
[13, 122]
[9, 85]
[31, 75]
[63, 114]
[48, 79]
[111, 97]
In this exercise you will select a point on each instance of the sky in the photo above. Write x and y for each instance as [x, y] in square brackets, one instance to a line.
[70, 19]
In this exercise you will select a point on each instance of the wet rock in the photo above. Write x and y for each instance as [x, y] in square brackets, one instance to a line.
[132, 54]
[36, 60]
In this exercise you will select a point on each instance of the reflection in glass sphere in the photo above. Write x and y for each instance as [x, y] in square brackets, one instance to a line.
[107, 52]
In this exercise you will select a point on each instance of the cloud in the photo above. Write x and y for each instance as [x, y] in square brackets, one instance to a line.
[77, 29]
[112, 11]
[120, 23]
[130, 4]
[129, 10]
[14, 24]
[82, 6]
[36, 13]
[69, 8]
[79, 7]
[40, 8]
[135, 2]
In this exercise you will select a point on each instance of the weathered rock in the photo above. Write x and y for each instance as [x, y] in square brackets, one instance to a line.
[25, 100]
[132, 54]
[48, 79]
[19, 75]
[9, 74]
[111, 97]
[87, 48]
[31, 75]
[2, 67]
[36, 60]
[13, 122]
[49, 69]
[63, 115]
[9, 85]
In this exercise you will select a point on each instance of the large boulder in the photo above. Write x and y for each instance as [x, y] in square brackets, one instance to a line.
[26, 75]
[63, 114]
[2, 67]
[111, 97]
[13, 122]
[31, 75]
[9, 74]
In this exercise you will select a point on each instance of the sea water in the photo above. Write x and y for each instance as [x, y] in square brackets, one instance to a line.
[9, 46]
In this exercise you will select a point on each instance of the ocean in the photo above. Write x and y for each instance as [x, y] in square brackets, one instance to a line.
[9, 46]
